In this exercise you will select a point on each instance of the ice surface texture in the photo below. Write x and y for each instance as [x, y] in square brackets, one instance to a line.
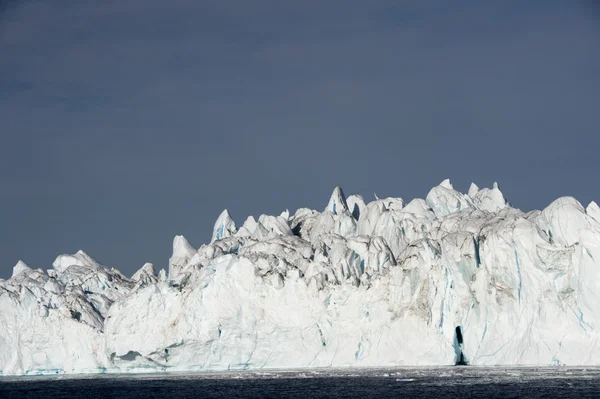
[454, 278]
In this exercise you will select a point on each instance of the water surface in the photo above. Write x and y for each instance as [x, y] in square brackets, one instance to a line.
[435, 382]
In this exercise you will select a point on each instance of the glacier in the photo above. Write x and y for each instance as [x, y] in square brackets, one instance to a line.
[450, 279]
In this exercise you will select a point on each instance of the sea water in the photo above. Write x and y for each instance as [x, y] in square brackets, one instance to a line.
[434, 382]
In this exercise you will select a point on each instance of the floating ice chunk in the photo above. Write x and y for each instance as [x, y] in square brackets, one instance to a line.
[434, 282]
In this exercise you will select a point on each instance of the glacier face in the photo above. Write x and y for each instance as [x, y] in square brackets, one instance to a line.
[448, 279]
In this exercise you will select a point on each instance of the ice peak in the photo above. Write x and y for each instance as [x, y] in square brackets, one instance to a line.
[593, 211]
[224, 226]
[80, 258]
[473, 190]
[565, 217]
[446, 184]
[337, 203]
[162, 275]
[86, 259]
[250, 224]
[486, 199]
[19, 268]
[445, 200]
[181, 248]
[149, 268]
[182, 252]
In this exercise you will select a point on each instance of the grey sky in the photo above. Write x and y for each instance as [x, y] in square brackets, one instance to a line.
[125, 122]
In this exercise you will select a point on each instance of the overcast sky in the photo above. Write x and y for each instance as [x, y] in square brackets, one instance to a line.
[126, 122]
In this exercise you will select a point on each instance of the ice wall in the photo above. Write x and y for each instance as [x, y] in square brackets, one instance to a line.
[454, 278]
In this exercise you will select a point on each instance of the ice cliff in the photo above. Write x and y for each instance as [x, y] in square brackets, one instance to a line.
[454, 278]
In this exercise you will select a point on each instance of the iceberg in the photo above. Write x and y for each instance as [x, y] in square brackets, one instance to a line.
[450, 279]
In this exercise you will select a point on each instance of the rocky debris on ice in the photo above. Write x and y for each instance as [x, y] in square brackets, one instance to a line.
[450, 279]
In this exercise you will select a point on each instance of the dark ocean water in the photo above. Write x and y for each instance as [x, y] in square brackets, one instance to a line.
[455, 382]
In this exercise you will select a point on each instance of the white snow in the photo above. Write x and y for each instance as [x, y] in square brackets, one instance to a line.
[380, 284]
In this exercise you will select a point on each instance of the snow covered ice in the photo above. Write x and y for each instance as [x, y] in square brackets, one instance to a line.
[454, 277]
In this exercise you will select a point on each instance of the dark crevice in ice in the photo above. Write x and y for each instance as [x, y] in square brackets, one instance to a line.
[356, 212]
[76, 315]
[130, 356]
[460, 359]
[477, 255]
[297, 229]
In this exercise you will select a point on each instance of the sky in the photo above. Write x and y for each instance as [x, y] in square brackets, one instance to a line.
[126, 122]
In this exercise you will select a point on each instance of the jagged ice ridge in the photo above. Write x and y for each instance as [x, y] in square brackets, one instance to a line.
[447, 280]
